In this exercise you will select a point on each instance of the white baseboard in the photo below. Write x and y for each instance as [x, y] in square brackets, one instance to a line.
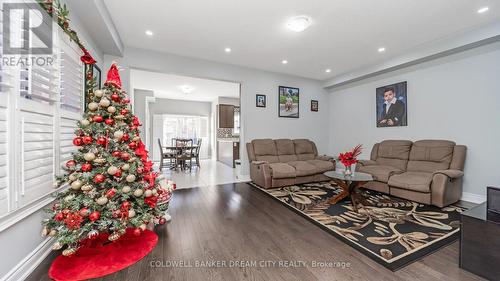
[472, 197]
[25, 267]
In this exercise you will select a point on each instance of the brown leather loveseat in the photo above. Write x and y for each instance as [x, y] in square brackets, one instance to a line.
[283, 162]
[426, 171]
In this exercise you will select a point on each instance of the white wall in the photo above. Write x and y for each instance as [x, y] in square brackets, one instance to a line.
[256, 122]
[455, 98]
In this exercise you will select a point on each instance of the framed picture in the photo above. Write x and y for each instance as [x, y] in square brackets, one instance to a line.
[260, 100]
[288, 103]
[392, 104]
[314, 105]
[92, 80]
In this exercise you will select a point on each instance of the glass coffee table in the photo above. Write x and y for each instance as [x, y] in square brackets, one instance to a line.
[350, 185]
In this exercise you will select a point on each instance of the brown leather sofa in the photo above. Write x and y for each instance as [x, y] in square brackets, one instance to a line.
[283, 162]
[426, 171]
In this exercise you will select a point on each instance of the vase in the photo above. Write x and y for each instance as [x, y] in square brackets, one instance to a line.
[348, 171]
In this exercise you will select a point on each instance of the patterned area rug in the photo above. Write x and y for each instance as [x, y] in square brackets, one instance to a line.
[393, 231]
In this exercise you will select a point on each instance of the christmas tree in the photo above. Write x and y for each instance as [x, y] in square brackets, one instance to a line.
[112, 186]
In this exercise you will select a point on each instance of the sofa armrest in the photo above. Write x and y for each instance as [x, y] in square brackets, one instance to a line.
[325, 158]
[453, 174]
[259, 162]
[366, 163]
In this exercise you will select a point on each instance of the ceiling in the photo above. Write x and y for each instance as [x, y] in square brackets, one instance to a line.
[170, 86]
[344, 36]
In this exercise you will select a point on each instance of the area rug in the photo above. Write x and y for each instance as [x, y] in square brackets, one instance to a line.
[392, 231]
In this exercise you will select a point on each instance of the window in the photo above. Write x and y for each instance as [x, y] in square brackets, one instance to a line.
[187, 127]
[39, 107]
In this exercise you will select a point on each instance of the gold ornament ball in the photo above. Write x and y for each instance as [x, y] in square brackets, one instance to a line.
[52, 233]
[104, 102]
[85, 122]
[89, 156]
[76, 185]
[111, 109]
[126, 189]
[45, 231]
[57, 246]
[112, 170]
[119, 117]
[73, 177]
[87, 187]
[93, 106]
[131, 213]
[125, 167]
[102, 200]
[99, 93]
[69, 252]
[130, 178]
[118, 134]
[155, 192]
[138, 192]
[99, 160]
[148, 193]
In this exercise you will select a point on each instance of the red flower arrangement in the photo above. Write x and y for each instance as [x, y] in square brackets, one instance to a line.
[349, 158]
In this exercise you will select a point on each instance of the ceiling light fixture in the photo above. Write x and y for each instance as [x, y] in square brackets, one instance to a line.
[328, 70]
[149, 33]
[381, 49]
[284, 61]
[186, 89]
[483, 10]
[227, 50]
[299, 23]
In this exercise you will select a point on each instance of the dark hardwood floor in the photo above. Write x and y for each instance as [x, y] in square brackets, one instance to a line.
[236, 222]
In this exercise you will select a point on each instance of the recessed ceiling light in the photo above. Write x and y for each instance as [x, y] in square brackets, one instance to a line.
[149, 33]
[186, 89]
[299, 23]
[328, 70]
[227, 50]
[381, 49]
[483, 10]
[284, 61]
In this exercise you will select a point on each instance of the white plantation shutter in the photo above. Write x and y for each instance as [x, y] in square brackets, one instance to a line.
[71, 99]
[4, 168]
[36, 151]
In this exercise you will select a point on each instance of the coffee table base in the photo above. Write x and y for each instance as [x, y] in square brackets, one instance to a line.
[351, 189]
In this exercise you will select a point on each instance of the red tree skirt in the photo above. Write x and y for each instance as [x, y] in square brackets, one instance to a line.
[100, 257]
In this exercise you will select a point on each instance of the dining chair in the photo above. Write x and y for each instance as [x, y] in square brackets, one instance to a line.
[185, 156]
[166, 155]
[196, 154]
[184, 142]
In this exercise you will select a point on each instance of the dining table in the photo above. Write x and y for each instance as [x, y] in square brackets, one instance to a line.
[178, 152]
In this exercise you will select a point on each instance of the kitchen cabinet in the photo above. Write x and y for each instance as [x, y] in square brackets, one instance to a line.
[226, 116]
[228, 151]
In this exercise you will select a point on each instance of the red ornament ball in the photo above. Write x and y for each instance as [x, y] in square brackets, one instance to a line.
[126, 100]
[78, 141]
[133, 127]
[124, 111]
[125, 156]
[94, 216]
[110, 193]
[59, 217]
[84, 212]
[126, 205]
[102, 140]
[140, 170]
[87, 139]
[137, 231]
[125, 137]
[99, 178]
[162, 221]
[109, 121]
[87, 167]
[132, 145]
[116, 153]
[118, 174]
[98, 119]
[115, 97]
[71, 163]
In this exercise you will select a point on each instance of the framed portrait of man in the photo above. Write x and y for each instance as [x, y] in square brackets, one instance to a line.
[392, 105]
[288, 103]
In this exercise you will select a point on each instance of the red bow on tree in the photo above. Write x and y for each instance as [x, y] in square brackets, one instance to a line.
[141, 151]
[113, 77]
[151, 201]
[87, 58]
